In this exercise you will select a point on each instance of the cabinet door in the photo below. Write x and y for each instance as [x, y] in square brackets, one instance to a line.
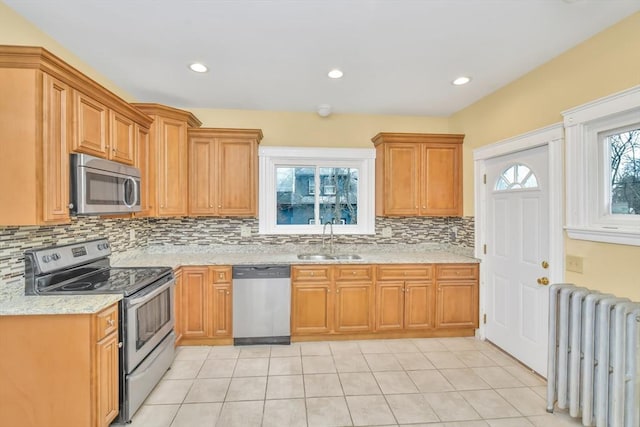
[107, 380]
[354, 307]
[389, 306]
[311, 308]
[418, 305]
[401, 179]
[237, 177]
[457, 305]
[56, 139]
[221, 310]
[195, 305]
[122, 137]
[91, 120]
[172, 167]
[177, 308]
[441, 180]
[145, 162]
[202, 177]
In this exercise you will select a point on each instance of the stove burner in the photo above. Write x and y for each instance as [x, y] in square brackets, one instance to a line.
[78, 286]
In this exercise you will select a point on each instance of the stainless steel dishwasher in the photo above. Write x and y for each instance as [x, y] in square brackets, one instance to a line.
[261, 304]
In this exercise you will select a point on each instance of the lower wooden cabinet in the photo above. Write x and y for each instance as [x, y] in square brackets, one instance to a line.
[205, 304]
[390, 300]
[61, 370]
[457, 301]
[404, 297]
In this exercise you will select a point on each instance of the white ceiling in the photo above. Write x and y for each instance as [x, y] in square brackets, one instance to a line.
[398, 56]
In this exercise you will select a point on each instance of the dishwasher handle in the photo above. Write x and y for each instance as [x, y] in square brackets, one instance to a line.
[261, 271]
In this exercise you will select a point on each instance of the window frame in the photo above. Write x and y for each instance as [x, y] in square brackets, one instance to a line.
[361, 158]
[588, 184]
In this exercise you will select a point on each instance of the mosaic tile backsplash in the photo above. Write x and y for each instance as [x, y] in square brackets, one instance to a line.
[125, 234]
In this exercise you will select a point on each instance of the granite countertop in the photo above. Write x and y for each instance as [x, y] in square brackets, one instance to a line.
[14, 302]
[175, 256]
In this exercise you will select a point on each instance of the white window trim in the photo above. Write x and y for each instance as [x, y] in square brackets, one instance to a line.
[361, 158]
[585, 205]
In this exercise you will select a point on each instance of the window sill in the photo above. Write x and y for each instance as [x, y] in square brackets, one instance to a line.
[620, 236]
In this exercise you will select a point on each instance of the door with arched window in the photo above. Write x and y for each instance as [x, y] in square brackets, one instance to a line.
[517, 187]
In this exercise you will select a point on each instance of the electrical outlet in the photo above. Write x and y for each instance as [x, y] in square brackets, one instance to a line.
[245, 231]
[132, 235]
[574, 263]
[387, 232]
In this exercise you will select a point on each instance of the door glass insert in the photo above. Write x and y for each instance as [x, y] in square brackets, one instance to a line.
[516, 177]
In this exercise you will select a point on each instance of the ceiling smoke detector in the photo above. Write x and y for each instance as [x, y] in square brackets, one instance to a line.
[324, 110]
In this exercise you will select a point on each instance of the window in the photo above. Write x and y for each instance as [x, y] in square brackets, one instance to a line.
[516, 177]
[603, 169]
[301, 189]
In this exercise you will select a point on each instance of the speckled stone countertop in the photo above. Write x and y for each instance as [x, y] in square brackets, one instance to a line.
[175, 256]
[13, 302]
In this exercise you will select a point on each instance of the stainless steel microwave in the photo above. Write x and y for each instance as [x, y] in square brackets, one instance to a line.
[100, 186]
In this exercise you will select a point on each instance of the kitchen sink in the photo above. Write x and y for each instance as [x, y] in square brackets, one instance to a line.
[324, 257]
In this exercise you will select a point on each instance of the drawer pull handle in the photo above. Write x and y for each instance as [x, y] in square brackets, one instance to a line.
[110, 322]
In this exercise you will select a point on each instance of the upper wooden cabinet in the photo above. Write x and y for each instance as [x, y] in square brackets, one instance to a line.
[47, 110]
[418, 174]
[223, 172]
[166, 170]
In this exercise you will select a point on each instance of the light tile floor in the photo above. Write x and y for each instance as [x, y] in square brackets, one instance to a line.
[454, 382]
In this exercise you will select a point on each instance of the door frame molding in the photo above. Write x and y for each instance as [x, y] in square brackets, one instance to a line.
[553, 137]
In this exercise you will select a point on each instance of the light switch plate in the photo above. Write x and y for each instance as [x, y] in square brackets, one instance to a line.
[132, 235]
[245, 231]
[574, 263]
[386, 232]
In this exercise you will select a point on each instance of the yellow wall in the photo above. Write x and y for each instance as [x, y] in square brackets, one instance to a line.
[309, 129]
[16, 30]
[607, 63]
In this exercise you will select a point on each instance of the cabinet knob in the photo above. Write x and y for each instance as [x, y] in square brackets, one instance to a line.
[227, 292]
[220, 275]
[337, 291]
[328, 290]
[312, 273]
[424, 207]
[110, 322]
[219, 206]
[353, 272]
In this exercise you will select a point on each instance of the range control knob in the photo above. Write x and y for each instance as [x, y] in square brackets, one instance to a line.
[55, 256]
[46, 258]
[103, 246]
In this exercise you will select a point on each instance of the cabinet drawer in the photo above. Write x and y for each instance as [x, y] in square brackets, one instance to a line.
[457, 271]
[355, 272]
[220, 274]
[313, 273]
[106, 322]
[405, 272]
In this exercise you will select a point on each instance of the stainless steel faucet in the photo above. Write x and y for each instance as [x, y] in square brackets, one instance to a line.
[324, 229]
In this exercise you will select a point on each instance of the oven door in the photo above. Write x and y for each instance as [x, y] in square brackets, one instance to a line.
[150, 318]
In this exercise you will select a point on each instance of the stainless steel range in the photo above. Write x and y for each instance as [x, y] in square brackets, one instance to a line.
[146, 311]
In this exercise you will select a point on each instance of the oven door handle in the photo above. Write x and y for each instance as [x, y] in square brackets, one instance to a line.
[141, 300]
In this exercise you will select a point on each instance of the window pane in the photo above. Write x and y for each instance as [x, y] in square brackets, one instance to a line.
[338, 197]
[624, 149]
[295, 198]
[516, 177]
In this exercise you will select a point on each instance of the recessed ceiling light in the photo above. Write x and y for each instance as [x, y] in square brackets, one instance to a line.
[461, 81]
[198, 67]
[335, 73]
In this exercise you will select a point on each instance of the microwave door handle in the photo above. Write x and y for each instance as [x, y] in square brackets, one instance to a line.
[135, 193]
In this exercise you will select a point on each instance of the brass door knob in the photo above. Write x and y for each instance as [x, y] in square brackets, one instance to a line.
[543, 281]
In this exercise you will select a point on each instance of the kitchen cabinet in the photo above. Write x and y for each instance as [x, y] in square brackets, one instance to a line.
[143, 162]
[206, 305]
[46, 108]
[457, 300]
[168, 163]
[61, 370]
[332, 299]
[102, 132]
[418, 174]
[223, 172]
[404, 297]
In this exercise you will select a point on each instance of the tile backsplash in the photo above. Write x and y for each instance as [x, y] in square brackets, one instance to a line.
[125, 234]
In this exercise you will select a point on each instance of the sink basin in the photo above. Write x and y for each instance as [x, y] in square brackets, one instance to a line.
[324, 257]
[314, 257]
[347, 256]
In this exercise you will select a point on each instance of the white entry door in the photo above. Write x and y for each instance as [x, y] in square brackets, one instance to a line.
[517, 254]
